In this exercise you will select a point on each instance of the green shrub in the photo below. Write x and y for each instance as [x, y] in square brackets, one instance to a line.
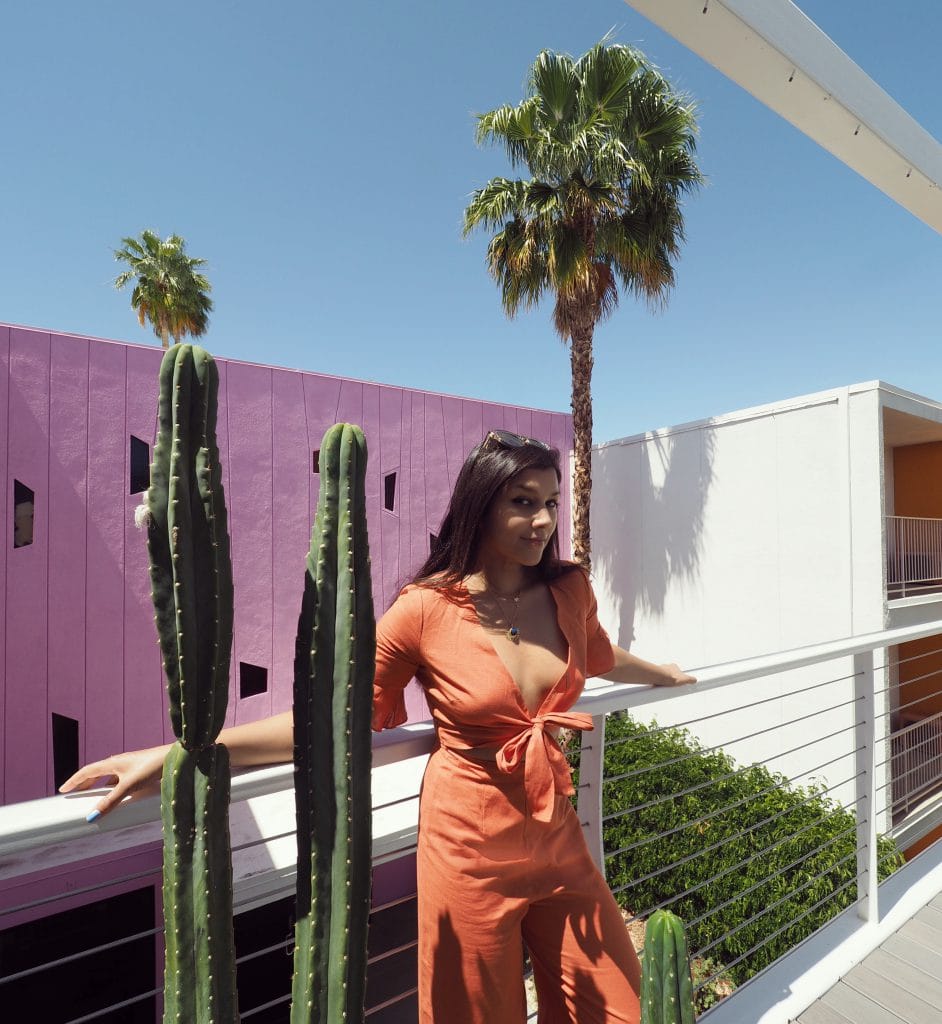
[747, 846]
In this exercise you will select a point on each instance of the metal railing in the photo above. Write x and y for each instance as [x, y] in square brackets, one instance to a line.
[913, 556]
[917, 763]
[758, 832]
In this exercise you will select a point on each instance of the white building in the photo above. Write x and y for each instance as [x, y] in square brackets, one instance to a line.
[773, 528]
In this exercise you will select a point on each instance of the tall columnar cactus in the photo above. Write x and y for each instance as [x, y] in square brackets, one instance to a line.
[666, 989]
[191, 576]
[333, 692]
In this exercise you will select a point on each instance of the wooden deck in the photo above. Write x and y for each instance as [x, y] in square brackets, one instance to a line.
[899, 983]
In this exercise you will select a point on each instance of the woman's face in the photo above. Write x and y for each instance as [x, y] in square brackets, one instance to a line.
[522, 517]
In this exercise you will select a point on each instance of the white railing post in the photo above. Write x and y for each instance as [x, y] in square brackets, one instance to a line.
[865, 771]
[589, 804]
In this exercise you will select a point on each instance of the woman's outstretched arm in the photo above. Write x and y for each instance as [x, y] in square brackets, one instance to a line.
[629, 669]
[136, 773]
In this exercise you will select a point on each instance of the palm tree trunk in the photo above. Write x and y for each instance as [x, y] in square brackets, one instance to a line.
[581, 360]
[164, 336]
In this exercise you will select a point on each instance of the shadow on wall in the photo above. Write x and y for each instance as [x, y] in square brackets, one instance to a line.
[648, 504]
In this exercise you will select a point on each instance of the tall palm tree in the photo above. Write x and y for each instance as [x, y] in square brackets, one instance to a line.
[610, 149]
[168, 291]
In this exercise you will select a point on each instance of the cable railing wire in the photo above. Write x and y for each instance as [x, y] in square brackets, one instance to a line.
[723, 842]
[724, 778]
[727, 967]
[81, 954]
[720, 746]
[735, 867]
[765, 881]
[730, 711]
[96, 1014]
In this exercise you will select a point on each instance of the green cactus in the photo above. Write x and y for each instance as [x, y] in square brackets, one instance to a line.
[191, 581]
[666, 989]
[333, 693]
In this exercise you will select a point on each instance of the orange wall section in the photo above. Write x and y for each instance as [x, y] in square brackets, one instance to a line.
[917, 476]
[920, 676]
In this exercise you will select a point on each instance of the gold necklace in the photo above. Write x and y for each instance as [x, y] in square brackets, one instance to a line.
[513, 630]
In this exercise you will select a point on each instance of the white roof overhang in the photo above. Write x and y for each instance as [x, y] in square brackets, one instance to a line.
[776, 53]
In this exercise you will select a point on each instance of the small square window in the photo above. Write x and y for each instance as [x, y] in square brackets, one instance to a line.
[23, 508]
[140, 465]
[317, 460]
[253, 679]
[389, 492]
[65, 748]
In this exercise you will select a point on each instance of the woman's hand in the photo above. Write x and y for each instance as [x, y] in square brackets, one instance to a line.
[673, 675]
[133, 774]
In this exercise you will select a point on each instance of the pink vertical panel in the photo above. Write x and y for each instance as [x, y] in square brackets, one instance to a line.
[350, 405]
[541, 426]
[25, 716]
[456, 450]
[291, 467]
[104, 539]
[321, 400]
[374, 489]
[249, 400]
[68, 462]
[6, 535]
[415, 540]
[437, 489]
[222, 443]
[391, 429]
[145, 706]
[473, 426]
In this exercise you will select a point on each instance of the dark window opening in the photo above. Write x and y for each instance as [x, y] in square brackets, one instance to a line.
[317, 460]
[89, 984]
[140, 465]
[253, 679]
[389, 488]
[264, 941]
[264, 975]
[23, 505]
[65, 748]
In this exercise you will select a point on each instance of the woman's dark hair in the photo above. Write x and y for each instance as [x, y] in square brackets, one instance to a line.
[485, 471]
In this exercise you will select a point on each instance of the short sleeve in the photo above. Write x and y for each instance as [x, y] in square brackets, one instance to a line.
[398, 637]
[599, 656]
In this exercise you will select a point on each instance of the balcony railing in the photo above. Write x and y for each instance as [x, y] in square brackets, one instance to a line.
[764, 835]
[913, 556]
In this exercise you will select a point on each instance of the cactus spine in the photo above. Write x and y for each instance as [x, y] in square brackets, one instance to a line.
[191, 579]
[333, 694]
[666, 989]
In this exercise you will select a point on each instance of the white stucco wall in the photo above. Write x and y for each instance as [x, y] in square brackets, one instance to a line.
[741, 536]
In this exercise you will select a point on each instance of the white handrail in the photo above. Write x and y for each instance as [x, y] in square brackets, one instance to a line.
[60, 819]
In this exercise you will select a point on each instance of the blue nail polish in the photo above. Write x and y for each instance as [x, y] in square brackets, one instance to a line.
[93, 816]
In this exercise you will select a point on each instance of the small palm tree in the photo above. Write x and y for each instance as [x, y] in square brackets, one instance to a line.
[169, 291]
[610, 149]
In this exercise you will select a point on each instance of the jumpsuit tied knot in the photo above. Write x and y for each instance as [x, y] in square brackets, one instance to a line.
[545, 769]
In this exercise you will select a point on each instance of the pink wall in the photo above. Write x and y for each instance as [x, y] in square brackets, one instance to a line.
[76, 630]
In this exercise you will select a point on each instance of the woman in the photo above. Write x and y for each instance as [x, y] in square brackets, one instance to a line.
[501, 634]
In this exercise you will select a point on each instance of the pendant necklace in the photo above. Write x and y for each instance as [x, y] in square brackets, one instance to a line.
[513, 631]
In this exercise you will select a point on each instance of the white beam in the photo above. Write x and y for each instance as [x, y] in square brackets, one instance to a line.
[776, 53]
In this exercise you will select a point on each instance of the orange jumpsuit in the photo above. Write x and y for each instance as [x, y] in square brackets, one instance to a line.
[501, 857]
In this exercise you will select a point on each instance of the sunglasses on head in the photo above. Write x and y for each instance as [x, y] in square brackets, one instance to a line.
[507, 439]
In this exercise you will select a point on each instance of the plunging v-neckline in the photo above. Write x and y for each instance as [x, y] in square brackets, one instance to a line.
[514, 685]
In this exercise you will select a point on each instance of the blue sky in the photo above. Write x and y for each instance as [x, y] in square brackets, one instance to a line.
[319, 156]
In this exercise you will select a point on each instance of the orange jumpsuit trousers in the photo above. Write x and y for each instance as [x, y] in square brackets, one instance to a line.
[491, 877]
[501, 856]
